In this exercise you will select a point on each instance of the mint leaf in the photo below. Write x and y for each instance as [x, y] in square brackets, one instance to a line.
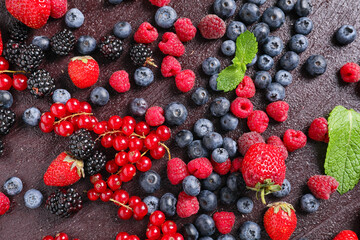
[231, 76]
[246, 47]
[343, 152]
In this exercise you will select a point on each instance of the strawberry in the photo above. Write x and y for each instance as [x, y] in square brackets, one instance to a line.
[83, 71]
[33, 13]
[1, 44]
[58, 8]
[64, 171]
[224, 221]
[4, 203]
[322, 186]
[280, 221]
[346, 235]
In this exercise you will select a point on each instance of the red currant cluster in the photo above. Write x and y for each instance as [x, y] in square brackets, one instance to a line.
[59, 236]
[18, 81]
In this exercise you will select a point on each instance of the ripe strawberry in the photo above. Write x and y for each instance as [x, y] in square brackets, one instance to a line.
[83, 71]
[322, 186]
[224, 221]
[58, 8]
[33, 13]
[346, 235]
[64, 171]
[280, 221]
[1, 44]
[4, 203]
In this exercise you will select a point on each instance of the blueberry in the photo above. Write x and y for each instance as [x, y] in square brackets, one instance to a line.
[42, 42]
[138, 107]
[346, 34]
[196, 150]
[249, 13]
[202, 127]
[31, 116]
[283, 77]
[298, 43]
[286, 5]
[205, 225]
[33, 198]
[249, 231]
[285, 190]
[224, 8]
[226, 237]
[219, 155]
[122, 30]
[252, 62]
[212, 140]
[115, 1]
[191, 186]
[275, 92]
[289, 61]
[274, 17]
[207, 200]
[212, 182]
[234, 29]
[257, 2]
[262, 79]
[245, 205]
[175, 113]
[261, 32]
[303, 8]
[143, 76]
[61, 96]
[13, 186]
[227, 196]
[206, 238]
[211, 66]
[230, 146]
[165, 17]
[228, 48]
[235, 182]
[74, 18]
[200, 96]
[86, 45]
[6, 99]
[229, 122]
[150, 181]
[99, 96]
[220, 106]
[316, 65]
[168, 204]
[273, 46]
[303, 25]
[213, 82]
[152, 204]
[309, 203]
[190, 232]
[265, 62]
[184, 138]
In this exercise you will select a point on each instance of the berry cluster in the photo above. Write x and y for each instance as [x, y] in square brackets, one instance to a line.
[59, 236]
[159, 228]
[18, 81]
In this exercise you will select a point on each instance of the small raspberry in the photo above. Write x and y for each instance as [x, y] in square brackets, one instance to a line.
[120, 81]
[221, 168]
[146, 33]
[258, 121]
[185, 30]
[185, 80]
[241, 107]
[155, 116]
[4, 203]
[170, 66]
[246, 89]
[186, 205]
[346, 234]
[246, 140]
[171, 45]
[212, 27]
[294, 140]
[318, 130]
[322, 186]
[278, 110]
[350, 72]
[176, 170]
[160, 3]
[200, 167]
[224, 221]
[236, 164]
[276, 141]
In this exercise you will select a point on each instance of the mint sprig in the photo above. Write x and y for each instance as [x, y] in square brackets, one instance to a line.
[246, 50]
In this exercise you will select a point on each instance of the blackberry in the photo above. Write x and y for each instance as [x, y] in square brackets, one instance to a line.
[29, 57]
[1, 148]
[95, 163]
[19, 32]
[41, 83]
[81, 144]
[7, 120]
[64, 202]
[141, 55]
[111, 47]
[11, 50]
[63, 42]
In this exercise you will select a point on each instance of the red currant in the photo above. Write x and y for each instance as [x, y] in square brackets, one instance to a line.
[127, 129]
[48, 237]
[5, 82]
[121, 158]
[153, 232]
[134, 156]
[93, 122]
[169, 227]
[120, 143]
[73, 105]
[158, 152]
[142, 129]
[100, 127]
[174, 236]
[121, 196]
[133, 201]
[140, 210]
[129, 121]
[114, 123]
[93, 195]
[133, 237]
[100, 186]
[157, 218]
[106, 195]
[58, 110]
[135, 143]
[111, 166]
[46, 128]
[84, 122]
[20, 82]
[47, 118]
[151, 141]
[61, 236]
[74, 122]
[65, 128]
[114, 182]
[163, 132]
[85, 107]
[122, 236]
[127, 172]
[107, 141]
[4, 64]
[144, 164]
[124, 213]
[95, 178]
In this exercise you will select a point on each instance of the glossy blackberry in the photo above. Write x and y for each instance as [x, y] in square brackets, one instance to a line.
[111, 47]
[141, 55]
[95, 163]
[29, 57]
[81, 144]
[63, 42]
[19, 32]
[64, 202]
[1, 148]
[11, 50]
[7, 120]
[41, 83]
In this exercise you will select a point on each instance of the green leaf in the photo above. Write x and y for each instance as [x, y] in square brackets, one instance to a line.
[246, 47]
[343, 152]
[231, 76]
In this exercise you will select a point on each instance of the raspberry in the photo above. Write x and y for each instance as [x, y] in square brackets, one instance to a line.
[322, 186]
[224, 221]
[185, 80]
[241, 107]
[246, 140]
[200, 167]
[185, 30]
[176, 170]
[294, 140]
[276, 141]
[246, 89]
[155, 116]
[171, 45]
[146, 33]
[318, 130]
[120, 81]
[221, 168]
[186, 205]
[236, 164]
[170, 66]
[346, 234]
[278, 110]
[212, 27]
[160, 3]
[4, 203]
[258, 121]
[350, 72]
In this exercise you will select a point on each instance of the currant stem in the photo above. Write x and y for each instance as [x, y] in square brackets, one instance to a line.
[150, 61]
[9, 71]
[71, 116]
[121, 204]
[143, 154]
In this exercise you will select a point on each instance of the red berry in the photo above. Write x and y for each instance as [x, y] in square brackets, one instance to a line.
[146, 33]
[294, 140]
[221, 168]
[169, 227]
[114, 182]
[212, 27]
[157, 218]
[85, 107]
[170, 66]
[120, 143]
[61, 236]
[4, 64]
[121, 196]
[134, 200]
[128, 129]
[125, 213]
[135, 143]
[100, 127]
[276, 141]
[107, 141]
[20, 82]
[350, 72]
[65, 128]
[114, 123]
[236, 164]
[160, 3]
[46, 128]
[153, 232]
[278, 110]
[186, 206]
[185, 30]
[176, 170]
[185, 80]
[48, 237]
[346, 235]
[201, 168]
[224, 221]
[142, 128]
[100, 186]
[318, 130]
[258, 121]
[58, 110]
[134, 156]
[73, 105]
[95, 178]
[47, 118]
[151, 141]
[111, 167]
[5, 82]
[322, 186]
[93, 122]
[106, 195]
[163, 132]
[144, 164]
[241, 107]
[246, 89]
[133, 237]
[84, 122]
[4, 203]
[128, 120]
[140, 209]
[171, 45]
[127, 172]
[158, 152]
[174, 236]
[246, 140]
[122, 236]
[154, 116]
[121, 158]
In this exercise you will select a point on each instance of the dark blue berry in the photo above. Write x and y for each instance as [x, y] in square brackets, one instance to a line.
[191, 186]
[262, 79]
[219, 155]
[229, 122]
[190, 232]
[249, 13]
[227, 196]
[31, 116]
[257, 2]
[346, 34]
[184, 138]
[226, 237]
[309, 203]
[252, 62]
[298, 43]
[228, 48]
[289, 61]
[165, 17]
[122, 30]
[235, 182]
[196, 150]
[150, 181]
[42, 42]
[205, 225]
[13, 186]
[261, 32]
[206, 238]
[213, 82]
[220, 106]
[6, 99]
[303, 25]
[202, 127]
[211, 66]
[138, 107]
[168, 204]
[86, 45]
[245, 205]
[230, 146]
[143, 76]
[175, 113]
[212, 140]
[273, 46]
[303, 8]
[115, 1]
[207, 200]
[200, 96]
[234, 29]
[224, 8]
[33, 198]
[99, 96]
[250, 231]
[285, 190]
[74, 18]
[61, 96]
[212, 183]
[316, 65]
[275, 92]
[274, 17]
[152, 204]
[283, 77]
[265, 62]
[286, 5]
